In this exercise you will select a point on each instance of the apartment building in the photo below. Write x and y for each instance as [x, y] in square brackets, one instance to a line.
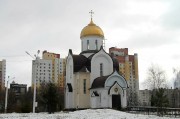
[2, 74]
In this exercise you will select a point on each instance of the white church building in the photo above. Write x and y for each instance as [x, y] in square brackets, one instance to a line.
[92, 78]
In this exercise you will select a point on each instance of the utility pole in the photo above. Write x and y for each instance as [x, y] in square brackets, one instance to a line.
[37, 64]
[6, 96]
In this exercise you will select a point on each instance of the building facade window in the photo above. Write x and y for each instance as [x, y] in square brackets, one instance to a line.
[101, 69]
[84, 86]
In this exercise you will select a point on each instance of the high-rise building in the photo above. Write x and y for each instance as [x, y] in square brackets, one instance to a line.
[55, 59]
[177, 81]
[2, 74]
[51, 68]
[145, 97]
[62, 69]
[128, 67]
[41, 71]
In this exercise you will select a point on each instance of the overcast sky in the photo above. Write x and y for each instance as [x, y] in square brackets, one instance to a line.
[150, 28]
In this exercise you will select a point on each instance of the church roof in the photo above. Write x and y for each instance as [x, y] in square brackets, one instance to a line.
[99, 82]
[79, 62]
[89, 51]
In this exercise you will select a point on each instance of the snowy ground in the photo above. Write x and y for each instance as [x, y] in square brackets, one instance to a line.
[82, 114]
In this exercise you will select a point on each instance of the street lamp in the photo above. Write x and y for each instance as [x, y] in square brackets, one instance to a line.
[6, 97]
[37, 63]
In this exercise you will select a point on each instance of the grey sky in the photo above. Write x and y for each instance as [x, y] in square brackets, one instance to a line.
[150, 28]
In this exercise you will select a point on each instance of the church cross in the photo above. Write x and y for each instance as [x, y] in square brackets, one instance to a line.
[91, 12]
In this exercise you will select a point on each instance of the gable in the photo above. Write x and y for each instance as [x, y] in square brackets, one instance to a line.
[115, 89]
[116, 77]
[101, 64]
[102, 54]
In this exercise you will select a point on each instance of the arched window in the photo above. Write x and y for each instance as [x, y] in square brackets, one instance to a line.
[101, 69]
[96, 45]
[88, 44]
[84, 86]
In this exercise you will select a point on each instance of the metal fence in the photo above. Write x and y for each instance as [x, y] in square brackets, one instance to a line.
[171, 112]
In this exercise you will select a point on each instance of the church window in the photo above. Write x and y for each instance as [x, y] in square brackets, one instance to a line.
[101, 69]
[84, 86]
[88, 44]
[96, 44]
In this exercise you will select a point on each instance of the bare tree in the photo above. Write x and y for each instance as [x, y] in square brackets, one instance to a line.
[156, 78]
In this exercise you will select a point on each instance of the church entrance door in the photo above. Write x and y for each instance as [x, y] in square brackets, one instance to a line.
[116, 101]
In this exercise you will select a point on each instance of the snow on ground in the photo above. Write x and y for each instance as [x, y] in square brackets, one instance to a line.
[82, 114]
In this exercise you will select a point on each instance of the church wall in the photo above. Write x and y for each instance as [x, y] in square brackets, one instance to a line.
[81, 99]
[110, 101]
[104, 98]
[68, 101]
[95, 102]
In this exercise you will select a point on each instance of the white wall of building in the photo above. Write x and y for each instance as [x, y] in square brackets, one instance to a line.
[69, 102]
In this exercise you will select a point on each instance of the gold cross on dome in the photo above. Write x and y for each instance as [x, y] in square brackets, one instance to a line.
[91, 12]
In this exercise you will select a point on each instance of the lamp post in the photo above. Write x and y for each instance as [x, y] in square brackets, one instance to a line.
[6, 96]
[37, 63]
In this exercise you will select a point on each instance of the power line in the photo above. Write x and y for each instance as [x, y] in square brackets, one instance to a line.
[14, 56]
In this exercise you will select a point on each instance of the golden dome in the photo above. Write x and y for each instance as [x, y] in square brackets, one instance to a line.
[91, 29]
